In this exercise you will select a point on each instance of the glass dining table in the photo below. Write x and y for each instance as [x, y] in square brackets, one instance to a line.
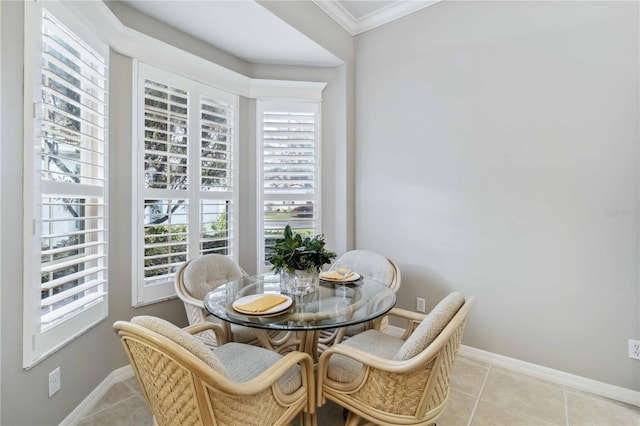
[301, 318]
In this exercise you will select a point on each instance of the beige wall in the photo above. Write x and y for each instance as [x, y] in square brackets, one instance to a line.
[495, 141]
[88, 360]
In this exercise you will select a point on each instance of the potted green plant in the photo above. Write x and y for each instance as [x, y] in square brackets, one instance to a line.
[299, 260]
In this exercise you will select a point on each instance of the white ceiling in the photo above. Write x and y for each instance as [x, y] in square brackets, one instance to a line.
[249, 31]
[242, 28]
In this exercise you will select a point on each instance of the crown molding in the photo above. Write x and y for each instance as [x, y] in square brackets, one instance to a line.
[382, 16]
[338, 14]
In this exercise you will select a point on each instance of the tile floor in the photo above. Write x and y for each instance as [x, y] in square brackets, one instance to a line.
[480, 395]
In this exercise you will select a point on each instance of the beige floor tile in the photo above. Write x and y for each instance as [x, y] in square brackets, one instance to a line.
[507, 399]
[131, 411]
[586, 409]
[468, 377]
[487, 414]
[458, 410]
[522, 394]
[115, 394]
[132, 382]
[473, 361]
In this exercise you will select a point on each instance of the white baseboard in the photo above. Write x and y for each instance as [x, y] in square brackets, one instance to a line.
[560, 377]
[92, 399]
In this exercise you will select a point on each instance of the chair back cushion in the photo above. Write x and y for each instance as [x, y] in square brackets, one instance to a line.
[182, 338]
[369, 264]
[431, 326]
[207, 272]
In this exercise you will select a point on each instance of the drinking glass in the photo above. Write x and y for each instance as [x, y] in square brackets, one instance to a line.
[343, 270]
[303, 283]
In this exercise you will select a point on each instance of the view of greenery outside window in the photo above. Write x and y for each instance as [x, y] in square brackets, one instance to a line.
[70, 182]
[289, 158]
[186, 176]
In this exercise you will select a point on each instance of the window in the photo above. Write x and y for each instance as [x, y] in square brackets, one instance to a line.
[289, 135]
[65, 182]
[185, 178]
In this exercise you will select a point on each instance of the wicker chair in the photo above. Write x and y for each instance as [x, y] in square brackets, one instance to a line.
[185, 383]
[194, 279]
[384, 380]
[371, 265]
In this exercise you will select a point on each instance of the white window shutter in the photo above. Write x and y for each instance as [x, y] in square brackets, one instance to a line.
[289, 158]
[68, 173]
[185, 178]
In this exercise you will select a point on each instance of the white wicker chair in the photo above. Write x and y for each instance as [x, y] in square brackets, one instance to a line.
[194, 279]
[371, 265]
[185, 383]
[384, 380]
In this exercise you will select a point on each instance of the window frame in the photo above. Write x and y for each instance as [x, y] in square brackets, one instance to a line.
[38, 344]
[290, 106]
[143, 294]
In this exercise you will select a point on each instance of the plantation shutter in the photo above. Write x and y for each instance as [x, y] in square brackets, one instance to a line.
[73, 175]
[65, 180]
[290, 169]
[188, 187]
[166, 182]
[217, 179]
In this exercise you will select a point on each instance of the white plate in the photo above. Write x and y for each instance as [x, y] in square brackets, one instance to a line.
[248, 299]
[354, 277]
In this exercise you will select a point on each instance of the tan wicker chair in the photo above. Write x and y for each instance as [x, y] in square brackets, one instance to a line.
[194, 279]
[385, 380]
[185, 383]
[371, 265]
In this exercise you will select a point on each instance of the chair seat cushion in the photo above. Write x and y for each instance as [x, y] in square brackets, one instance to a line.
[345, 369]
[244, 362]
[352, 330]
[431, 326]
[242, 334]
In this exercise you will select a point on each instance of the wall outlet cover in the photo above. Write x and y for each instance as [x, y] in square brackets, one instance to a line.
[634, 349]
[54, 382]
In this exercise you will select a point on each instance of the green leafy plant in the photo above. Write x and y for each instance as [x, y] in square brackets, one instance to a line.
[297, 252]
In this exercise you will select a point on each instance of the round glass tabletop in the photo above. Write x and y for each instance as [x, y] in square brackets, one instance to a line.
[331, 305]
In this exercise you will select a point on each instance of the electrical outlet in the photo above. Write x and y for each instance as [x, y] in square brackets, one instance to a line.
[420, 304]
[634, 349]
[54, 382]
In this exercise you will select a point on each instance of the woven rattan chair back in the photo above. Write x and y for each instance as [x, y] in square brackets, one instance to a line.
[408, 392]
[221, 269]
[373, 265]
[182, 389]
